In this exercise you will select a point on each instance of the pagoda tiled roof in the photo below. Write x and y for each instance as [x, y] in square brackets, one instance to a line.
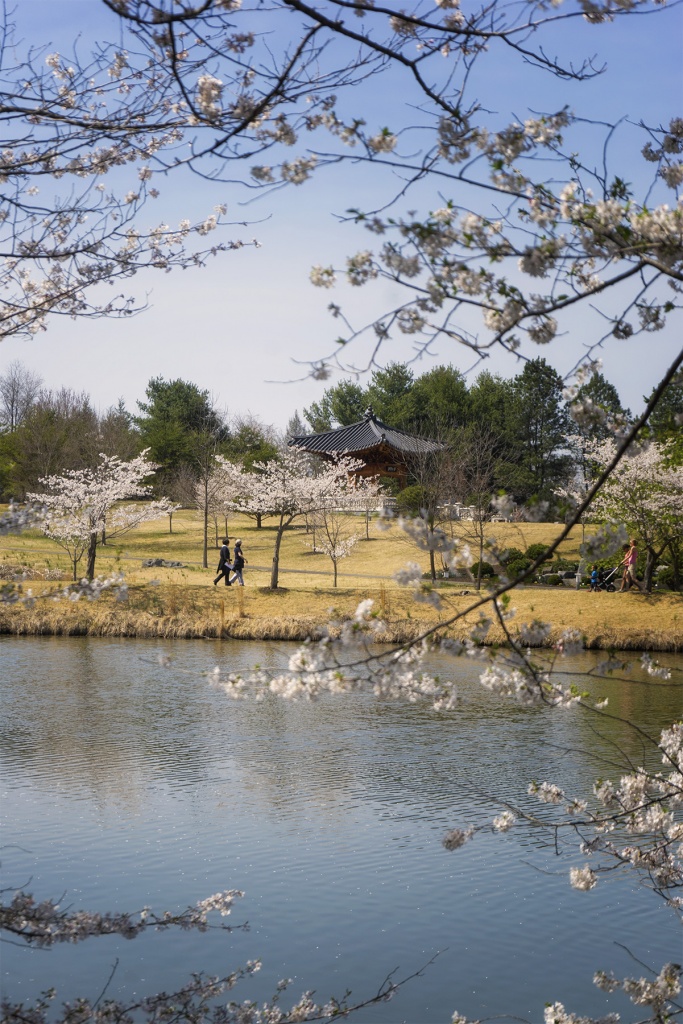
[368, 433]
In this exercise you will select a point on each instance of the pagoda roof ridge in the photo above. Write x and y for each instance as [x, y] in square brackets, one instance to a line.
[370, 432]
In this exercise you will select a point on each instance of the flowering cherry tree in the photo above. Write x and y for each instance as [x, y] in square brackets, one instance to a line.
[521, 254]
[76, 121]
[502, 260]
[554, 247]
[291, 487]
[631, 824]
[332, 534]
[334, 545]
[45, 924]
[81, 503]
[525, 251]
[646, 495]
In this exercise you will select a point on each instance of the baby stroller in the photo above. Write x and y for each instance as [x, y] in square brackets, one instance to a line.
[605, 580]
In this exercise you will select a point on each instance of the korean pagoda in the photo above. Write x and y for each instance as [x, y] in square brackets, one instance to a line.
[384, 450]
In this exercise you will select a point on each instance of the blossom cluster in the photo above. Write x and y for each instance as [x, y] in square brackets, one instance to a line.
[79, 504]
[19, 518]
[44, 924]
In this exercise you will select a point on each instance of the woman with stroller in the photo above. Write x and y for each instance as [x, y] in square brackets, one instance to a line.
[238, 562]
[629, 560]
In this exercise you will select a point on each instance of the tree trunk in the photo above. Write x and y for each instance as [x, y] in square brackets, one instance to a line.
[170, 522]
[276, 556]
[432, 565]
[92, 551]
[675, 550]
[75, 562]
[258, 521]
[367, 524]
[104, 534]
[649, 569]
[205, 559]
[334, 563]
[653, 557]
[481, 555]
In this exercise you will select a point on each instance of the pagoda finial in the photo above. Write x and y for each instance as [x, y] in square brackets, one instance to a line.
[369, 413]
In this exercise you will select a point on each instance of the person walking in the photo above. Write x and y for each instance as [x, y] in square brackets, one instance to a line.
[224, 565]
[238, 564]
[624, 572]
[629, 560]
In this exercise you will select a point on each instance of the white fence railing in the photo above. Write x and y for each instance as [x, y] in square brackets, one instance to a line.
[450, 510]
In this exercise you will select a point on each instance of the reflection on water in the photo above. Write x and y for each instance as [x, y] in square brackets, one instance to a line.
[126, 784]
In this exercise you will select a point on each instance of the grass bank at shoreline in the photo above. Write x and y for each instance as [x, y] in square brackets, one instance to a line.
[183, 603]
[619, 621]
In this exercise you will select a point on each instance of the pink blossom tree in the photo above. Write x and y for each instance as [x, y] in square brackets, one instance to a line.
[291, 487]
[332, 528]
[81, 503]
[583, 239]
[201, 86]
[646, 495]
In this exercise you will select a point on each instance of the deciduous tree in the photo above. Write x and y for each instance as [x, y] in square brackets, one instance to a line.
[646, 495]
[475, 458]
[291, 487]
[79, 504]
[19, 388]
[428, 499]
[59, 432]
[333, 536]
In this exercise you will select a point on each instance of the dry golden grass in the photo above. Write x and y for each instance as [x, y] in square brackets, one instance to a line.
[184, 603]
[381, 556]
[625, 621]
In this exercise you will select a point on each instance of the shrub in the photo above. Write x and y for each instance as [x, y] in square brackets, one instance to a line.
[511, 555]
[535, 551]
[486, 569]
[562, 565]
[410, 500]
[517, 566]
[552, 580]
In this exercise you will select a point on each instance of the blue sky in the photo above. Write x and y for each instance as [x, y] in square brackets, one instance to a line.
[239, 326]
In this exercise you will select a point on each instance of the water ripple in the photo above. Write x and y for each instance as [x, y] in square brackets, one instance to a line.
[125, 785]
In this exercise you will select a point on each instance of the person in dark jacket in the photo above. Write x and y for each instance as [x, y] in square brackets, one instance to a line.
[238, 563]
[224, 565]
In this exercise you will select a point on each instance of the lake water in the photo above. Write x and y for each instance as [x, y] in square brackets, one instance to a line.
[126, 784]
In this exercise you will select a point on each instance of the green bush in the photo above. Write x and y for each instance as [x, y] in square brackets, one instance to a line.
[486, 569]
[511, 555]
[411, 500]
[562, 565]
[535, 551]
[553, 580]
[517, 566]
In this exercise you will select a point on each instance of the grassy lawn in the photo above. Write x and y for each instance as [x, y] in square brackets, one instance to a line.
[184, 601]
[382, 555]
